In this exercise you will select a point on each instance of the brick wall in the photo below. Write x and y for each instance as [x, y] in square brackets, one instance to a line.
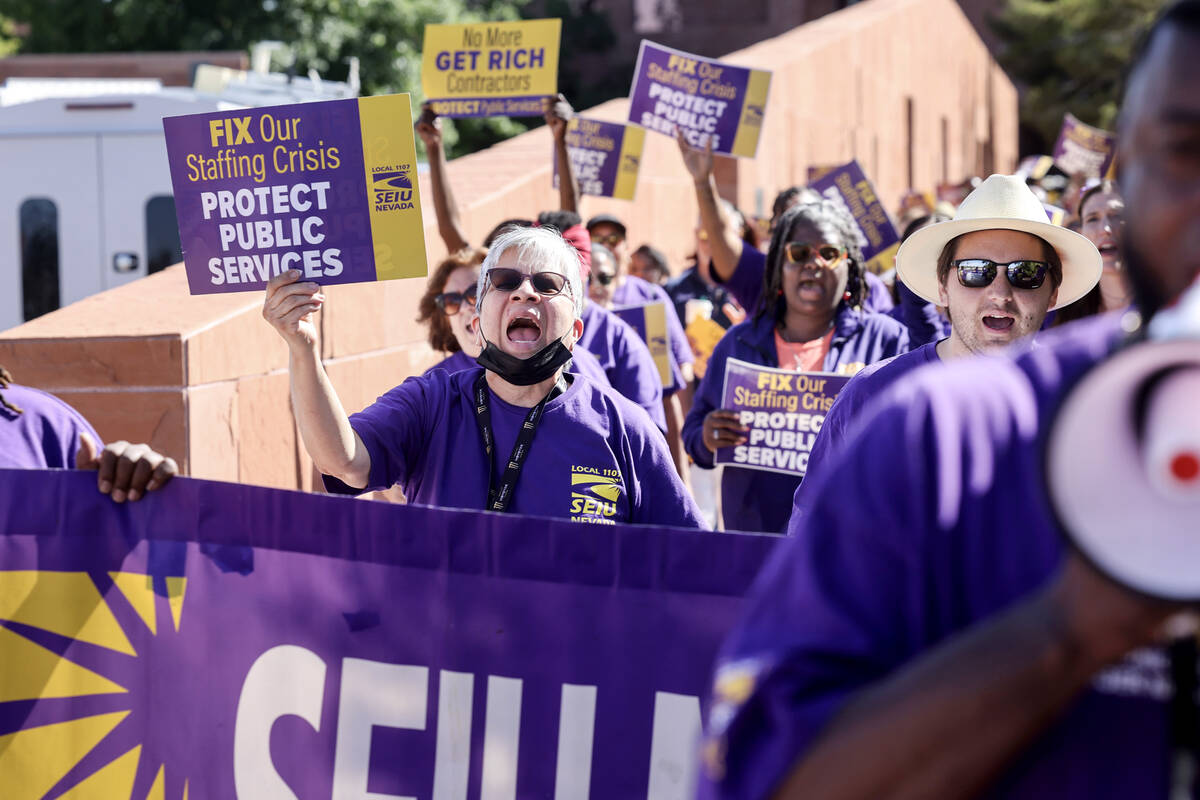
[205, 379]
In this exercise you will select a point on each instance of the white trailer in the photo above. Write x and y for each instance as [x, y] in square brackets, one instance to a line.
[85, 190]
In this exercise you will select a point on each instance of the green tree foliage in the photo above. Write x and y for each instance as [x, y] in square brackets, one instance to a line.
[1070, 55]
[385, 35]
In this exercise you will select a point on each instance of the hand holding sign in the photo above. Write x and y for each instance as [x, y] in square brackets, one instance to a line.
[697, 161]
[429, 127]
[289, 306]
[558, 113]
[723, 428]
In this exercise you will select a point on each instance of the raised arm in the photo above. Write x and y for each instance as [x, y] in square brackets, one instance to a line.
[724, 240]
[333, 445]
[429, 128]
[558, 113]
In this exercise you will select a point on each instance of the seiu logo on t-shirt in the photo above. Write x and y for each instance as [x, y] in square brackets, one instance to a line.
[595, 492]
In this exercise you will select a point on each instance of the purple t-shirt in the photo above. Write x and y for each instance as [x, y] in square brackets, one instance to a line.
[635, 291]
[932, 518]
[861, 390]
[46, 433]
[746, 283]
[625, 359]
[582, 363]
[595, 457]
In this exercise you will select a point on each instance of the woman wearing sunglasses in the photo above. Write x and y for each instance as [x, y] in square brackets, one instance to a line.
[515, 434]
[807, 320]
[448, 306]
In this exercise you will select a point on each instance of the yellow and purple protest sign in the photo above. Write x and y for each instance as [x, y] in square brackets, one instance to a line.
[850, 188]
[710, 101]
[650, 321]
[784, 411]
[605, 156]
[327, 188]
[491, 69]
[1084, 150]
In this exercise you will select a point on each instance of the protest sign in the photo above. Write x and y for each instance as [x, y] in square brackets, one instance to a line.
[605, 156]
[491, 69]
[849, 187]
[327, 188]
[650, 321]
[784, 411]
[219, 641]
[816, 173]
[708, 100]
[1084, 150]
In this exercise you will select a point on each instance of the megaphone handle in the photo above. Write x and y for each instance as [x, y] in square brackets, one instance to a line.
[1185, 730]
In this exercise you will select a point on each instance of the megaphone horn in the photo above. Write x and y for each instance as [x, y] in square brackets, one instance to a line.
[1123, 459]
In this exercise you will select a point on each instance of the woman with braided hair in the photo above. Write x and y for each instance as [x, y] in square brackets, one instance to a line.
[39, 431]
[808, 319]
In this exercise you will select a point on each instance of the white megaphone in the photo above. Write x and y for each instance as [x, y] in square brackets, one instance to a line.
[1123, 458]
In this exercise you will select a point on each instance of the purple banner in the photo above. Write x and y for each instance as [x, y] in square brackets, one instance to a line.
[850, 188]
[1084, 150]
[218, 641]
[784, 411]
[710, 101]
[259, 191]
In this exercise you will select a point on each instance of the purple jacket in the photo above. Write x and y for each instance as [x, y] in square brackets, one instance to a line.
[757, 500]
[932, 518]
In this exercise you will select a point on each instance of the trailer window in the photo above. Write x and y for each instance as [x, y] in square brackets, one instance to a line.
[162, 234]
[39, 256]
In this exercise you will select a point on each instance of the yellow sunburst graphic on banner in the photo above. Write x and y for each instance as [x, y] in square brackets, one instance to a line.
[69, 661]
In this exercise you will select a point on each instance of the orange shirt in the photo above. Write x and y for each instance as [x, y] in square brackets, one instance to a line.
[803, 356]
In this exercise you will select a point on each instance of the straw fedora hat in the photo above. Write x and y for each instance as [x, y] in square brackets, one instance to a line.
[1001, 202]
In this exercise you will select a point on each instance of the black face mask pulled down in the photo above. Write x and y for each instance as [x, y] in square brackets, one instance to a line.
[524, 371]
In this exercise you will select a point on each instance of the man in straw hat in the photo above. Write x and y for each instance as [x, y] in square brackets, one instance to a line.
[997, 268]
[925, 630]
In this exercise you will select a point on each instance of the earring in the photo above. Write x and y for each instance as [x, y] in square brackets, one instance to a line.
[779, 293]
[847, 295]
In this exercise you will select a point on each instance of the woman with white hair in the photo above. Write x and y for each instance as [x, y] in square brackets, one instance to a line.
[518, 434]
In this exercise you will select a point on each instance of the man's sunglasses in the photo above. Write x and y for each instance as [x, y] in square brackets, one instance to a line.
[451, 302]
[604, 278]
[609, 240]
[509, 280]
[976, 273]
[802, 252]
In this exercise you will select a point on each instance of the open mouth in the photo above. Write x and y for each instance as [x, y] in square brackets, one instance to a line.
[810, 289]
[997, 323]
[1108, 251]
[523, 329]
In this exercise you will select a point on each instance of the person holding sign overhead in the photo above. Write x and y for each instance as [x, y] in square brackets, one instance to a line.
[516, 434]
[808, 321]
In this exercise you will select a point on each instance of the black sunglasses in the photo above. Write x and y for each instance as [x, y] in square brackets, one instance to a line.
[803, 252]
[604, 278]
[976, 273]
[509, 280]
[451, 302]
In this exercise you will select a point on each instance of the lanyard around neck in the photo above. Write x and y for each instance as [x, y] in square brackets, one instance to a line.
[500, 496]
